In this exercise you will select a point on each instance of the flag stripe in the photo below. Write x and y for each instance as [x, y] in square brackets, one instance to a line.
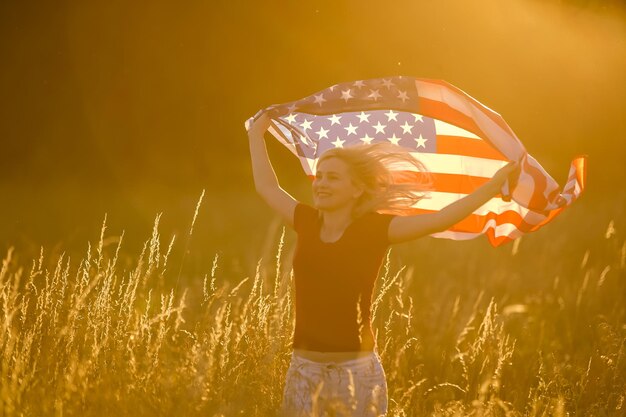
[449, 183]
[463, 146]
[579, 169]
[458, 164]
[437, 200]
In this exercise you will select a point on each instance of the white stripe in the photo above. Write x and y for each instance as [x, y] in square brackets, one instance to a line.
[436, 200]
[459, 164]
[446, 129]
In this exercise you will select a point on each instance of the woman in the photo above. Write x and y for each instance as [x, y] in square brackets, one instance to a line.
[341, 244]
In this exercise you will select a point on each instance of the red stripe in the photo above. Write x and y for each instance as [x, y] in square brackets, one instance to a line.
[456, 145]
[580, 163]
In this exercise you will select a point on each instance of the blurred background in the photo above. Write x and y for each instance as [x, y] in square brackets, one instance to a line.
[134, 108]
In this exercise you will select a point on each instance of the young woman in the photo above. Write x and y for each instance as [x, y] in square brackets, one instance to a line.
[341, 244]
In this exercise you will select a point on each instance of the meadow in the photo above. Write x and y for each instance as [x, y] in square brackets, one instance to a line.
[130, 109]
[534, 328]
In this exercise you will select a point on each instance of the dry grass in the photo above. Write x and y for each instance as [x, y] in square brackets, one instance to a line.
[94, 337]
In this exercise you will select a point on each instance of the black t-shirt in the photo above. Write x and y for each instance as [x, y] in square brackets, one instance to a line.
[331, 278]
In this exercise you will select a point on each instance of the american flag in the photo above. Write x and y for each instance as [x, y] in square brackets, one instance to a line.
[460, 141]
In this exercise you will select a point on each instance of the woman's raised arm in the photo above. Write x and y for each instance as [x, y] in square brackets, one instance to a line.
[265, 180]
[404, 228]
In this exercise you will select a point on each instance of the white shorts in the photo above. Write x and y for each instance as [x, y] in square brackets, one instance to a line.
[352, 388]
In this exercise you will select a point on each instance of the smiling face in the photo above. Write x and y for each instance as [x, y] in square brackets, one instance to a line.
[333, 186]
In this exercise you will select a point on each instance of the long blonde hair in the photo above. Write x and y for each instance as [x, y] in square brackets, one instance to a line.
[380, 169]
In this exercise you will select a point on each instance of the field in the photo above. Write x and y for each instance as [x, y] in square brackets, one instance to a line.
[132, 108]
[535, 328]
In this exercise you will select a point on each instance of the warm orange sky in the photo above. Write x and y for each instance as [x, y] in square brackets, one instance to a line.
[108, 94]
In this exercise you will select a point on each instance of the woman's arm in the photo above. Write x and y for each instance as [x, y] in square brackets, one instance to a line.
[404, 228]
[265, 179]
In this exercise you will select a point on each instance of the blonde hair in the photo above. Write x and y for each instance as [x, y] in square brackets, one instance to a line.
[380, 170]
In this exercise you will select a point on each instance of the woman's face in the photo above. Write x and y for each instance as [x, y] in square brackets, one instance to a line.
[333, 187]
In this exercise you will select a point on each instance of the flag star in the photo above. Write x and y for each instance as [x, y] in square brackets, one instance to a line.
[407, 128]
[387, 83]
[380, 128]
[334, 119]
[291, 118]
[345, 95]
[359, 84]
[306, 125]
[366, 139]
[332, 88]
[292, 108]
[319, 99]
[393, 139]
[338, 143]
[391, 115]
[363, 117]
[322, 133]
[304, 139]
[421, 142]
[351, 129]
[374, 94]
[402, 95]
[418, 117]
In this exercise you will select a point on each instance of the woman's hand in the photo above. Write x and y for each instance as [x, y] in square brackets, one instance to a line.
[510, 171]
[259, 126]
[262, 123]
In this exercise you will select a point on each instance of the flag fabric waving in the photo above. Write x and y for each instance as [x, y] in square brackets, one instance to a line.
[461, 142]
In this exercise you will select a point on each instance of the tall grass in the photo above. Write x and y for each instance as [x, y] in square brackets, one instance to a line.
[104, 337]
